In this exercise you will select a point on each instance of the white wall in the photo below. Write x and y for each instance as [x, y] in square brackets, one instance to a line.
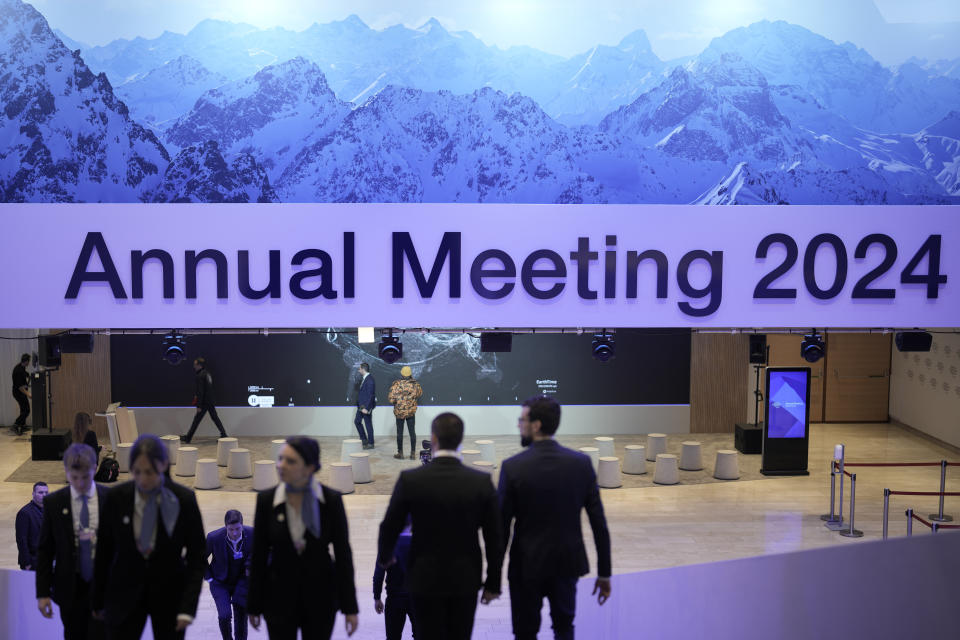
[925, 388]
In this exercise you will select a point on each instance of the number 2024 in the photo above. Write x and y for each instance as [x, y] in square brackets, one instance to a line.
[862, 290]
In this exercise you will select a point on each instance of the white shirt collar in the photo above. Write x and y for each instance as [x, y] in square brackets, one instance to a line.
[446, 453]
[280, 493]
[91, 493]
[364, 376]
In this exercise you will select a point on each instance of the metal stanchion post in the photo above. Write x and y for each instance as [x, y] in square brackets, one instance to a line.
[909, 513]
[886, 511]
[935, 526]
[851, 532]
[836, 523]
[832, 517]
[939, 517]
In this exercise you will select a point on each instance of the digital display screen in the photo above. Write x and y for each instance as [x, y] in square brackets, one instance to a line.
[787, 403]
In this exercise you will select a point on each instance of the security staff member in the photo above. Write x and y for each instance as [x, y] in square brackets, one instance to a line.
[229, 573]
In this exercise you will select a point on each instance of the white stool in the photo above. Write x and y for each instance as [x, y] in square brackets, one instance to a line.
[224, 446]
[469, 456]
[594, 454]
[349, 446]
[690, 456]
[488, 451]
[186, 461]
[341, 476]
[361, 467]
[665, 471]
[727, 466]
[609, 475]
[275, 446]
[264, 474]
[605, 445]
[123, 456]
[240, 464]
[635, 462]
[173, 443]
[208, 474]
[656, 443]
[483, 465]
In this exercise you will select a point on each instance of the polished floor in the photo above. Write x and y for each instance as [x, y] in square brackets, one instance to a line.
[651, 527]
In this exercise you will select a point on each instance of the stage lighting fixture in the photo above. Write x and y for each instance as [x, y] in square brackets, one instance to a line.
[812, 348]
[174, 348]
[913, 340]
[604, 346]
[390, 349]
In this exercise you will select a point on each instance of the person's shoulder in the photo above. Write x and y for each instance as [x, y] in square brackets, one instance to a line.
[59, 495]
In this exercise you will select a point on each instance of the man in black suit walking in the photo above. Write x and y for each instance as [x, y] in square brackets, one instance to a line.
[544, 488]
[68, 537]
[366, 401]
[229, 573]
[21, 393]
[204, 398]
[447, 503]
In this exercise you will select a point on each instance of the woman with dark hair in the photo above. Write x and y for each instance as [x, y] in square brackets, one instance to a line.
[150, 550]
[83, 434]
[294, 583]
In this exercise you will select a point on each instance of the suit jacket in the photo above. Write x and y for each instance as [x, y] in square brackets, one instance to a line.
[222, 552]
[448, 503]
[544, 489]
[57, 561]
[121, 573]
[28, 522]
[367, 396]
[204, 391]
[279, 575]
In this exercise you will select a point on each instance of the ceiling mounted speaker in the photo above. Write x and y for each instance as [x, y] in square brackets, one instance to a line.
[496, 342]
[913, 340]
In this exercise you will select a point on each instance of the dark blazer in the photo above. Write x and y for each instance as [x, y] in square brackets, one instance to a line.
[120, 570]
[204, 391]
[367, 396]
[448, 503]
[57, 562]
[222, 553]
[544, 488]
[278, 575]
[28, 523]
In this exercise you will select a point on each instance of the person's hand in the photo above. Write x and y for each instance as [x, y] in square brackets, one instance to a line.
[198, 409]
[350, 623]
[46, 609]
[182, 624]
[389, 563]
[97, 614]
[603, 586]
[364, 411]
[377, 605]
[255, 622]
[28, 567]
[488, 597]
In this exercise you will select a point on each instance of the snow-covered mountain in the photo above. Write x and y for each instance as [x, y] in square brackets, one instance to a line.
[168, 91]
[201, 174]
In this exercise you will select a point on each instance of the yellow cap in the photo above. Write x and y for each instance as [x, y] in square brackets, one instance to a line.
[406, 371]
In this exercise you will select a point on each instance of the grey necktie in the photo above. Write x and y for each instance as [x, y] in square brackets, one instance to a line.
[149, 522]
[86, 544]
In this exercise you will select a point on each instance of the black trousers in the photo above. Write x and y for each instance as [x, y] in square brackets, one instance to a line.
[314, 621]
[367, 421]
[411, 421]
[156, 602]
[526, 600]
[24, 403]
[78, 623]
[213, 416]
[395, 613]
[224, 596]
[444, 617]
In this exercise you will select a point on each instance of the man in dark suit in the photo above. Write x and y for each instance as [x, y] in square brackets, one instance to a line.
[544, 489]
[229, 572]
[204, 398]
[366, 401]
[447, 503]
[67, 539]
[28, 523]
[21, 393]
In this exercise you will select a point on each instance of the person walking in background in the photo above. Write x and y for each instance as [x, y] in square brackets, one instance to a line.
[294, 582]
[447, 504]
[149, 558]
[398, 607]
[543, 490]
[83, 434]
[21, 393]
[229, 573]
[28, 523]
[366, 401]
[403, 396]
[204, 400]
[67, 539]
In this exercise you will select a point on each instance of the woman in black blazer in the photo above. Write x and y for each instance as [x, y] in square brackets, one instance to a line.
[294, 583]
[150, 550]
[83, 434]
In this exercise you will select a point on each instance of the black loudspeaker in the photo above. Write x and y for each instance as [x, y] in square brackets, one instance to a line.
[49, 351]
[913, 340]
[748, 438]
[76, 343]
[38, 405]
[758, 348]
[494, 341]
[49, 445]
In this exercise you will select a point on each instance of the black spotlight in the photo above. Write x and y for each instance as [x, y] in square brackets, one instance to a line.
[390, 349]
[174, 348]
[812, 348]
[913, 340]
[604, 346]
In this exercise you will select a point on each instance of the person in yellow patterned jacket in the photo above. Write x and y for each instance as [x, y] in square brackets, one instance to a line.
[403, 395]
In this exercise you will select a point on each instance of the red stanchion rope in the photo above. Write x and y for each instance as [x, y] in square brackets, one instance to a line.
[947, 526]
[924, 493]
[916, 517]
[847, 473]
[897, 464]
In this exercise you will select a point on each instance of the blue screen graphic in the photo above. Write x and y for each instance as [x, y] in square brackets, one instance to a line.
[786, 404]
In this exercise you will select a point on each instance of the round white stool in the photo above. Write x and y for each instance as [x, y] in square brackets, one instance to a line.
[483, 465]
[348, 446]
[594, 454]
[727, 466]
[665, 471]
[240, 464]
[656, 443]
[275, 446]
[123, 456]
[224, 446]
[488, 451]
[608, 476]
[173, 443]
[605, 445]
[264, 474]
[469, 456]
[187, 461]
[635, 462]
[361, 467]
[208, 474]
[341, 476]
[690, 456]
